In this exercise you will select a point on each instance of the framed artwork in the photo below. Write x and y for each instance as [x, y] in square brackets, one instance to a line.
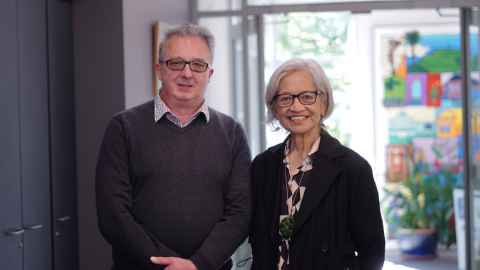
[398, 166]
[415, 61]
[419, 82]
[158, 32]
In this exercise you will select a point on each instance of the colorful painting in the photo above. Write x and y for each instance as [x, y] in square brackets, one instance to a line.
[434, 89]
[395, 95]
[397, 162]
[452, 85]
[416, 89]
[419, 70]
[412, 62]
[436, 151]
[410, 122]
[449, 123]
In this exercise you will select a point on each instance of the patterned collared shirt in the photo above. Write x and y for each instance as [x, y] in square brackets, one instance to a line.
[292, 195]
[162, 109]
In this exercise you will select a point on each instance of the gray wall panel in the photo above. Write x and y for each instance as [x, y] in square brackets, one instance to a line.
[10, 204]
[62, 134]
[9, 117]
[37, 249]
[11, 252]
[34, 112]
[99, 93]
[34, 134]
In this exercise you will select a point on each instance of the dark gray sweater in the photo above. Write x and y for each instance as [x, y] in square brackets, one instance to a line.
[162, 190]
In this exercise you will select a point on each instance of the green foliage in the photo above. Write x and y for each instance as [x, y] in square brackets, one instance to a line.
[337, 132]
[439, 61]
[394, 88]
[423, 200]
[313, 35]
[412, 39]
[322, 37]
[443, 60]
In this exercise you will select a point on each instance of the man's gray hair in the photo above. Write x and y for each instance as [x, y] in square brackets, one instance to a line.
[189, 30]
[320, 81]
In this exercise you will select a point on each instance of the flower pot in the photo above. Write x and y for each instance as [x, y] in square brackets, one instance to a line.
[418, 243]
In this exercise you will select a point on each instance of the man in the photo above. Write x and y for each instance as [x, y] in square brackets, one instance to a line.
[172, 180]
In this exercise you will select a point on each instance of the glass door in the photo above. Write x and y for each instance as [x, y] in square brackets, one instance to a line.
[386, 68]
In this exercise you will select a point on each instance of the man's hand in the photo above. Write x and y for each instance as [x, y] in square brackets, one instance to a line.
[174, 263]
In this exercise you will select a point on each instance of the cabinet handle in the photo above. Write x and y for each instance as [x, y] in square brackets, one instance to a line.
[33, 227]
[63, 219]
[14, 232]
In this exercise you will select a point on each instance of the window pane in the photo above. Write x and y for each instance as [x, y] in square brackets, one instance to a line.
[220, 93]
[320, 36]
[215, 5]
[274, 2]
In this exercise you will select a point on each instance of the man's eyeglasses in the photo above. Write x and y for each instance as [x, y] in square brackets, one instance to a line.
[305, 98]
[179, 65]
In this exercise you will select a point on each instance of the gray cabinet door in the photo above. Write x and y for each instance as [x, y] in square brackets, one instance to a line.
[11, 252]
[37, 166]
[34, 133]
[10, 185]
[62, 134]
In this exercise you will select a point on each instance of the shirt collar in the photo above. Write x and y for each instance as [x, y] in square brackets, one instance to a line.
[307, 162]
[161, 108]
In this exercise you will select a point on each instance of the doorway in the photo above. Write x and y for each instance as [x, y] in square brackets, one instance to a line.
[367, 50]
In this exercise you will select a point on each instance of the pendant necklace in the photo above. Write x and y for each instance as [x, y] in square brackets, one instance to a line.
[287, 224]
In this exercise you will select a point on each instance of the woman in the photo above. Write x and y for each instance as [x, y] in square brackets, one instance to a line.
[315, 201]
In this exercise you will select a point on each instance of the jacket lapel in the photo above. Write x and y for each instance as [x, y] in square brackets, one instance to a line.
[318, 186]
[323, 175]
[272, 189]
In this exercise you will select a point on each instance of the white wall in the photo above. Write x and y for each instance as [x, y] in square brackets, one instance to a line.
[138, 17]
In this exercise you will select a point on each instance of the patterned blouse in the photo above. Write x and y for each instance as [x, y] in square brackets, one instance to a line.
[294, 185]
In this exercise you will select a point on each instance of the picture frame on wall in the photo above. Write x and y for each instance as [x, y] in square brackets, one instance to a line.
[412, 63]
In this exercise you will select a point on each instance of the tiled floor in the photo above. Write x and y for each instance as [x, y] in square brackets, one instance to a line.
[446, 260]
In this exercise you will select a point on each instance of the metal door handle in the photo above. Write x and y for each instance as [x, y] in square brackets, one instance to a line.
[14, 232]
[63, 219]
[33, 227]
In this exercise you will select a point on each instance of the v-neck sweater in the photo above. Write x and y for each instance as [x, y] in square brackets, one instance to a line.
[163, 190]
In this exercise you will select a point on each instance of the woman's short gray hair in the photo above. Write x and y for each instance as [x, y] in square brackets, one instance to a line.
[189, 30]
[319, 79]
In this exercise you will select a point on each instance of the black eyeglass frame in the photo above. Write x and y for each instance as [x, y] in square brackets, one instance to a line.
[297, 96]
[184, 64]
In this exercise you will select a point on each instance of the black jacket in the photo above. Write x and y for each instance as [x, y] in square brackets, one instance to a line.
[339, 225]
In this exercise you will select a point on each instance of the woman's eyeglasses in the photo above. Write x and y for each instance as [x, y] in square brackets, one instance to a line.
[305, 98]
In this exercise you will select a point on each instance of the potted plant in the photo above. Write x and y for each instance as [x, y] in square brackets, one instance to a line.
[419, 209]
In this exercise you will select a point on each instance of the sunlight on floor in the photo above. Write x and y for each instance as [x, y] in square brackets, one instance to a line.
[393, 266]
